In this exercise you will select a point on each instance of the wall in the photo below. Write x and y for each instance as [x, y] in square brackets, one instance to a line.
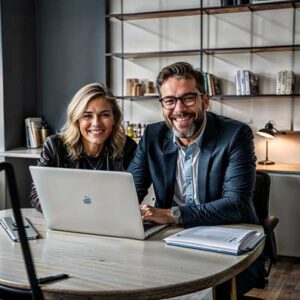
[18, 79]
[50, 49]
[285, 190]
[223, 30]
[19, 68]
[71, 52]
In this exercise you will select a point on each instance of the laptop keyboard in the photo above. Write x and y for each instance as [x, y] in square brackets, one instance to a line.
[148, 225]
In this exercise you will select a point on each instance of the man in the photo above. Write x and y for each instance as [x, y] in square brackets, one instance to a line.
[201, 165]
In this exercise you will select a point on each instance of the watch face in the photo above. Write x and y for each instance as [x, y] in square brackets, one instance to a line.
[176, 212]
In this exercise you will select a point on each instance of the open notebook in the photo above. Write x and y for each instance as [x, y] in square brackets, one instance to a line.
[89, 201]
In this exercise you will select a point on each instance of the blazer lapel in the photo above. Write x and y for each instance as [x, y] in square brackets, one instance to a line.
[206, 149]
[169, 167]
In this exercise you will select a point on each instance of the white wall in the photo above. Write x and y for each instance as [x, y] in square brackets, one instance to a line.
[284, 203]
[246, 29]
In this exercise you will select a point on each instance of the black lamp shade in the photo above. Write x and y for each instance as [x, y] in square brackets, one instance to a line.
[268, 131]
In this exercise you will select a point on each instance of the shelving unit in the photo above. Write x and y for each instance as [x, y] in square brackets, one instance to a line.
[206, 10]
[235, 97]
[203, 51]
[207, 51]
[22, 152]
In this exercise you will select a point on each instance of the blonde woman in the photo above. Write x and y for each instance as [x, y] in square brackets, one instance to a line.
[92, 138]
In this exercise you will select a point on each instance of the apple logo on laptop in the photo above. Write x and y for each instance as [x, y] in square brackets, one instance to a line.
[87, 200]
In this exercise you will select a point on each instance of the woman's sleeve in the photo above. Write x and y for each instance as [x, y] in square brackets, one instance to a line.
[47, 158]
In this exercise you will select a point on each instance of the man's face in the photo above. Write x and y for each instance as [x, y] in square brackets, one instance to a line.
[184, 121]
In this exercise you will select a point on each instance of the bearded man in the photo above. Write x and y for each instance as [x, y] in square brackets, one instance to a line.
[201, 165]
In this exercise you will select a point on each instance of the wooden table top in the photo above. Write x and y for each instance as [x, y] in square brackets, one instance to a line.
[293, 169]
[112, 268]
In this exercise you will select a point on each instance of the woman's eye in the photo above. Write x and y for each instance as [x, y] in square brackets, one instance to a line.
[105, 115]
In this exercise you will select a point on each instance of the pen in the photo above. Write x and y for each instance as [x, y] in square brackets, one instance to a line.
[53, 278]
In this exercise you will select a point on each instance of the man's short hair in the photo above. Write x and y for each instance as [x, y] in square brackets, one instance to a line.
[184, 70]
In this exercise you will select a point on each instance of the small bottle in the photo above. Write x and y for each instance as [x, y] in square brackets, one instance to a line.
[130, 130]
[135, 131]
[143, 129]
[126, 127]
[139, 130]
[44, 131]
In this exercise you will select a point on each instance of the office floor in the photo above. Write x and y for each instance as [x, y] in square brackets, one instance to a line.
[284, 281]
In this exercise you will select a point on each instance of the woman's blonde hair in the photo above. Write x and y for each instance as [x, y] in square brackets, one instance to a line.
[70, 132]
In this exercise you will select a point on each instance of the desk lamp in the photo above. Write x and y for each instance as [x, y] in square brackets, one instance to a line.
[268, 132]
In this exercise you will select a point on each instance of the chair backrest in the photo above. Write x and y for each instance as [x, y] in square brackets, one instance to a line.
[35, 292]
[261, 205]
[261, 195]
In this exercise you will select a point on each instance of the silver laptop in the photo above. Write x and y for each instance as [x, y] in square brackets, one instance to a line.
[89, 201]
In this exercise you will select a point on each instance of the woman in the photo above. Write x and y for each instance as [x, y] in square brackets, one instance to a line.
[92, 138]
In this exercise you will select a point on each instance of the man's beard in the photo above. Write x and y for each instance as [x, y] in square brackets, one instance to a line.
[197, 124]
[187, 134]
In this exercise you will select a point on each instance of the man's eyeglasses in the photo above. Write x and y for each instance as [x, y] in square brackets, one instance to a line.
[187, 100]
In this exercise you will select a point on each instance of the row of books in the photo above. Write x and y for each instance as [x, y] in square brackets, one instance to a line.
[266, 1]
[241, 2]
[36, 132]
[285, 83]
[212, 84]
[246, 83]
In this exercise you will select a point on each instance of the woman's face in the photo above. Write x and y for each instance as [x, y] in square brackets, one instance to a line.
[96, 125]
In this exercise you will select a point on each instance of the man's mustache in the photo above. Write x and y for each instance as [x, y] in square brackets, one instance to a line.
[182, 115]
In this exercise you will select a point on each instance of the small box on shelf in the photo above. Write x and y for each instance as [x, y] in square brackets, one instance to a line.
[136, 87]
[130, 82]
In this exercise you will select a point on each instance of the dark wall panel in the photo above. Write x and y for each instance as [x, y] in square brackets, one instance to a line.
[71, 52]
[19, 67]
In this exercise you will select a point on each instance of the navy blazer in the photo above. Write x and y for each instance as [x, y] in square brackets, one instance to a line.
[226, 174]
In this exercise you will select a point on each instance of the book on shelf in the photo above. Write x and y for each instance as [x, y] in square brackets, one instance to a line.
[278, 83]
[221, 239]
[267, 1]
[246, 83]
[290, 82]
[32, 130]
[212, 84]
[243, 87]
[238, 83]
[251, 83]
[285, 82]
[282, 82]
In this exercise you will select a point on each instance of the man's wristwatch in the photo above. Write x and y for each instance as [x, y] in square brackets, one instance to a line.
[176, 214]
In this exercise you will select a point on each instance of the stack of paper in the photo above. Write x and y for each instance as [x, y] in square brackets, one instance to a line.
[217, 238]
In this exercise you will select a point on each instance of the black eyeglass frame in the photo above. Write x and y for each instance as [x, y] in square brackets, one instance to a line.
[181, 98]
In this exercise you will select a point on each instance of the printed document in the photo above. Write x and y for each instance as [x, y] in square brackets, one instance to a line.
[217, 238]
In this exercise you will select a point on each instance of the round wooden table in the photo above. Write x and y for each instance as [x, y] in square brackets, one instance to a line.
[114, 268]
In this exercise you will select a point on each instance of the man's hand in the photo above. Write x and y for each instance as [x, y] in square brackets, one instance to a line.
[157, 215]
